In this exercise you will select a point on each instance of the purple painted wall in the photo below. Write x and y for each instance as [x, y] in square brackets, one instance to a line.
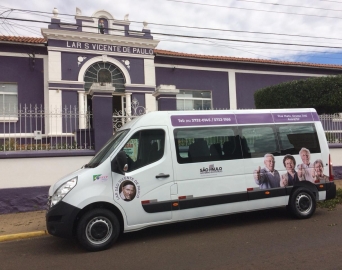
[167, 103]
[25, 49]
[69, 103]
[248, 83]
[243, 66]
[30, 82]
[23, 199]
[217, 82]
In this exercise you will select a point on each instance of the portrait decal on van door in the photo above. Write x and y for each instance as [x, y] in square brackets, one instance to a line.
[126, 189]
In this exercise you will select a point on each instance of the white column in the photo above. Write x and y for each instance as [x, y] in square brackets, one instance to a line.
[128, 103]
[149, 72]
[55, 66]
[150, 103]
[55, 112]
[82, 110]
[232, 90]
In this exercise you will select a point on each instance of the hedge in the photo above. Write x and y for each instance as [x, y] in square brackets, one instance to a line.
[322, 93]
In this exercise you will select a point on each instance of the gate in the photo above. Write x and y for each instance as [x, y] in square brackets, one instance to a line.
[122, 117]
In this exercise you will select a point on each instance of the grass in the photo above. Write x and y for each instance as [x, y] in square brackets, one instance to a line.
[331, 204]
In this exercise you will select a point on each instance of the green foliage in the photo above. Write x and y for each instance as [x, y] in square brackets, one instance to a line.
[331, 204]
[322, 93]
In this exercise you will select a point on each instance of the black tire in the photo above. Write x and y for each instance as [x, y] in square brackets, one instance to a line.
[98, 229]
[302, 203]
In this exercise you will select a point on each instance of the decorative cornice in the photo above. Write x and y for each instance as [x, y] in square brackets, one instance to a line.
[98, 38]
[166, 90]
[83, 52]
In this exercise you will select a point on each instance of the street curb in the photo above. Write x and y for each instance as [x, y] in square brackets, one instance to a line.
[18, 236]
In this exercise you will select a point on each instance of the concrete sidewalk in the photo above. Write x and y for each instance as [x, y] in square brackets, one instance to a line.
[22, 225]
[32, 224]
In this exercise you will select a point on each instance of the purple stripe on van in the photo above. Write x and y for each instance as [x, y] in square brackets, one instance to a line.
[292, 117]
[251, 118]
[315, 116]
[203, 120]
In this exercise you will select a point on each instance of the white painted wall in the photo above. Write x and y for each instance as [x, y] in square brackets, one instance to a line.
[150, 102]
[32, 172]
[150, 72]
[336, 156]
[55, 66]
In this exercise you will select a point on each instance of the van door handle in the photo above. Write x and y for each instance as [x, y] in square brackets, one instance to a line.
[161, 175]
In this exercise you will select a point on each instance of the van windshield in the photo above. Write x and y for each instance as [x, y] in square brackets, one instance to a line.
[107, 149]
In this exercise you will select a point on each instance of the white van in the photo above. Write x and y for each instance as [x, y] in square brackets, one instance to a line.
[174, 166]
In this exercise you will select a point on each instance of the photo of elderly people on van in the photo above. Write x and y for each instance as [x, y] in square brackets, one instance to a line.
[267, 177]
[305, 170]
[290, 177]
[319, 171]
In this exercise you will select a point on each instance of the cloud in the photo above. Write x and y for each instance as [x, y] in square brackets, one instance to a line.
[256, 17]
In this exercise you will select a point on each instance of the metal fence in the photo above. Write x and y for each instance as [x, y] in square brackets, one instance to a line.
[122, 117]
[332, 125]
[33, 128]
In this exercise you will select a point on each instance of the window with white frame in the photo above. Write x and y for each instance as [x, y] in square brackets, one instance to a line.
[193, 100]
[8, 99]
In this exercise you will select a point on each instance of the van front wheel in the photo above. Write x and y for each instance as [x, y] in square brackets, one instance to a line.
[98, 229]
[303, 203]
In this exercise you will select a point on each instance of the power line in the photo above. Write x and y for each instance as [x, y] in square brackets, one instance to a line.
[23, 27]
[331, 1]
[276, 4]
[255, 48]
[199, 28]
[203, 37]
[261, 10]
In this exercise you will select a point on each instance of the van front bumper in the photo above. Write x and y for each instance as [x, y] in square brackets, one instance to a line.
[60, 219]
[330, 191]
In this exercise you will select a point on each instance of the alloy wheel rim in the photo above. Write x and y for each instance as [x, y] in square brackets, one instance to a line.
[99, 230]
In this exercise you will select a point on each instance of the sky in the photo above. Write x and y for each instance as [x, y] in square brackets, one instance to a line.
[300, 31]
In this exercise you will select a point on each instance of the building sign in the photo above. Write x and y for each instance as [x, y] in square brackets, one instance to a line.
[108, 48]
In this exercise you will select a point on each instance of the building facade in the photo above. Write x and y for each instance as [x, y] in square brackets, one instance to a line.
[98, 64]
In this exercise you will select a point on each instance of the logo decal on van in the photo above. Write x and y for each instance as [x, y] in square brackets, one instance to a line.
[126, 189]
[100, 177]
[211, 169]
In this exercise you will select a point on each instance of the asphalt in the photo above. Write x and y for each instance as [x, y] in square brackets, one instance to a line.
[16, 226]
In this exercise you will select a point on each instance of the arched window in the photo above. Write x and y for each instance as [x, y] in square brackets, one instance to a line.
[102, 73]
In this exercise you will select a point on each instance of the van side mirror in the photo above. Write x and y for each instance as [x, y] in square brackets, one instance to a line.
[119, 163]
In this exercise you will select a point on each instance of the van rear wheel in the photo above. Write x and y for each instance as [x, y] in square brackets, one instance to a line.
[303, 203]
[98, 229]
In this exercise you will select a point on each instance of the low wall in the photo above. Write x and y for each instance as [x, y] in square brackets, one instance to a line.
[24, 182]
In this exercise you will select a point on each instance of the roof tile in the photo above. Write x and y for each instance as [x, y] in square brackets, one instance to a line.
[23, 39]
[239, 59]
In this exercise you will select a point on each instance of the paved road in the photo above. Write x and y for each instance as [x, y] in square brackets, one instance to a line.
[268, 239]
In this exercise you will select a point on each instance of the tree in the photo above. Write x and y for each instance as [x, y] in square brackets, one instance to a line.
[322, 93]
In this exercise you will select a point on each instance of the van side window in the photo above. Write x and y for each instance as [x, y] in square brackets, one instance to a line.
[259, 141]
[293, 137]
[207, 144]
[144, 147]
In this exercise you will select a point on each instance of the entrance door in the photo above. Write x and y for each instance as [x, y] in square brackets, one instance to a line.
[144, 191]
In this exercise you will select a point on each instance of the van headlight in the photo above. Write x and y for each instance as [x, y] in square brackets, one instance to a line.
[62, 191]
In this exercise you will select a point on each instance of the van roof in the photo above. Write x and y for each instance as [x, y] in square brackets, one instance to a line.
[223, 117]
